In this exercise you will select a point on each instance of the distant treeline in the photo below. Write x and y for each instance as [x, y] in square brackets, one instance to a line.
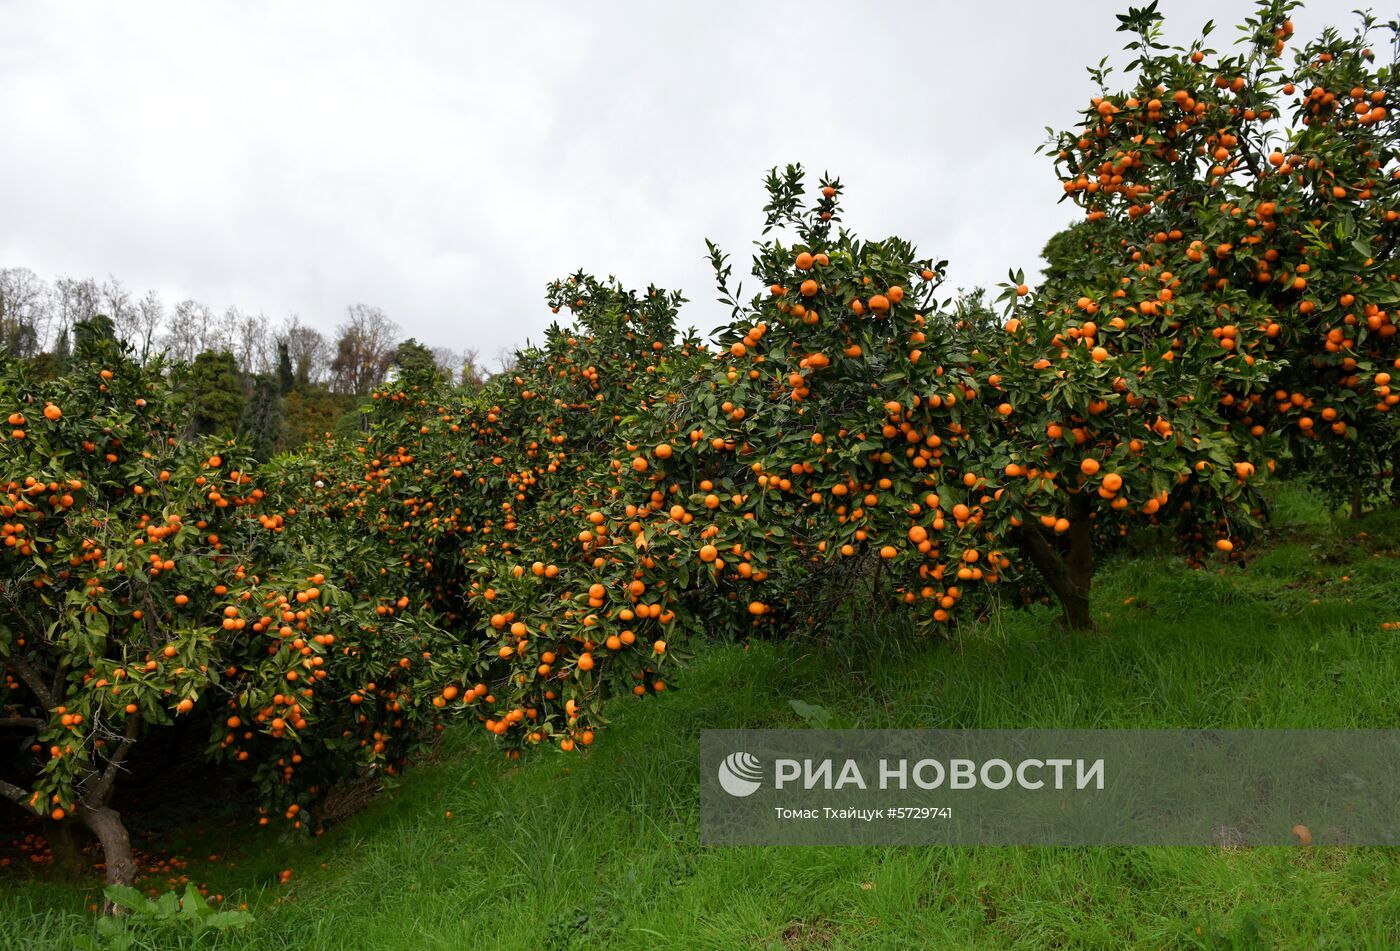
[275, 384]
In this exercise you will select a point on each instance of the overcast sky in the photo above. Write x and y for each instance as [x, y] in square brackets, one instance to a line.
[443, 161]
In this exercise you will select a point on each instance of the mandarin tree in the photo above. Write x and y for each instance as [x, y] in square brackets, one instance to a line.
[1114, 415]
[475, 492]
[149, 578]
[754, 489]
[1259, 184]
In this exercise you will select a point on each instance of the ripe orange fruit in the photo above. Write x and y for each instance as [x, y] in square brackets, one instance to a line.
[52, 413]
[663, 451]
[1089, 467]
[804, 261]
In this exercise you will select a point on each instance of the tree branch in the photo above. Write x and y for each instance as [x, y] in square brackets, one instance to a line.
[33, 722]
[14, 793]
[60, 676]
[1043, 555]
[98, 797]
[1248, 154]
[31, 679]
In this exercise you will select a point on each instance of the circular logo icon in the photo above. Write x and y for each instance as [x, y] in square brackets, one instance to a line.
[740, 774]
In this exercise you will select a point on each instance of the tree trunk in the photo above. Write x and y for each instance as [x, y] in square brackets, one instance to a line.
[1076, 607]
[67, 860]
[106, 823]
[1069, 576]
[1356, 498]
[1079, 566]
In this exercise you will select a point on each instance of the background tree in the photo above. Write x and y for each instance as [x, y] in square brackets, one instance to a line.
[364, 349]
[93, 333]
[150, 315]
[471, 374]
[261, 424]
[71, 300]
[308, 351]
[115, 302]
[415, 361]
[191, 331]
[214, 388]
[286, 378]
[23, 312]
[452, 364]
[253, 345]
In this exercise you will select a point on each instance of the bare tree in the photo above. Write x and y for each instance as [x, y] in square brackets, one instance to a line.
[251, 343]
[24, 312]
[150, 313]
[363, 349]
[193, 329]
[449, 362]
[70, 301]
[473, 374]
[115, 301]
[306, 349]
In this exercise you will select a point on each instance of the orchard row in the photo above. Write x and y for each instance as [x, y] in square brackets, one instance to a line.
[519, 554]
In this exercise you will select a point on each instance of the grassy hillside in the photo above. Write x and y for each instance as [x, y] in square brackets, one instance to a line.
[600, 850]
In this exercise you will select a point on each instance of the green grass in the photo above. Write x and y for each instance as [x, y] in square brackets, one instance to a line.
[600, 850]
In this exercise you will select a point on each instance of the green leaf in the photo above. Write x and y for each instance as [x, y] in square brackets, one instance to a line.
[817, 717]
[127, 897]
[167, 905]
[193, 905]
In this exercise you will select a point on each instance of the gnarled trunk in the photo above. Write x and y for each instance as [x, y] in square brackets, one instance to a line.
[106, 823]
